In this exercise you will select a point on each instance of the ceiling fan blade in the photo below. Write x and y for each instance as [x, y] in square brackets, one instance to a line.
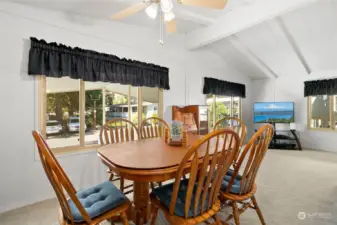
[171, 26]
[214, 4]
[130, 10]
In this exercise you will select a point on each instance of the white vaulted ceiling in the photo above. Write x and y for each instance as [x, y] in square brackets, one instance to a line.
[235, 58]
[188, 18]
[299, 42]
[315, 30]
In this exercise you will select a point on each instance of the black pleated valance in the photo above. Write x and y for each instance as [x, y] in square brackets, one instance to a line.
[58, 60]
[225, 88]
[320, 87]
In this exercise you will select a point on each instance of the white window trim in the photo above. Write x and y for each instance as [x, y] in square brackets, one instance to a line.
[332, 115]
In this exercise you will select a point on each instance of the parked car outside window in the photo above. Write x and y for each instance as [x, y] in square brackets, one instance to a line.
[74, 124]
[53, 127]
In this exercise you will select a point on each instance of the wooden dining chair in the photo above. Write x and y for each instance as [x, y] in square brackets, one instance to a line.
[233, 123]
[194, 200]
[116, 131]
[89, 206]
[153, 127]
[239, 186]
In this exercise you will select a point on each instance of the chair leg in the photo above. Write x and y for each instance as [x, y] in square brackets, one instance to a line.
[155, 209]
[236, 213]
[121, 187]
[152, 186]
[63, 222]
[124, 218]
[258, 210]
[111, 177]
[222, 200]
[217, 221]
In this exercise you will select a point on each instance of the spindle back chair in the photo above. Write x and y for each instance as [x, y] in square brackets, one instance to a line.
[115, 131]
[208, 160]
[239, 183]
[65, 190]
[118, 130]
[235, 124]
[153, 127]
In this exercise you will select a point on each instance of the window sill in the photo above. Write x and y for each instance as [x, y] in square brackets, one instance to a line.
[69, 151]
[74, 149]
[322, 129]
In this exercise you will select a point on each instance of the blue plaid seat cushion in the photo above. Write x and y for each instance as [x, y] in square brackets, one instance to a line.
[236, 184]
[165, 192]
[97, 200]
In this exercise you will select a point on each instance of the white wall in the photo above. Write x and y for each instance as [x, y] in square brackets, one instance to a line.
[22, 178]
[292, 89]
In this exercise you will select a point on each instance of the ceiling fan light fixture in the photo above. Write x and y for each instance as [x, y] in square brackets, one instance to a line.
[169, 16]
[166, 5]
[152, 11]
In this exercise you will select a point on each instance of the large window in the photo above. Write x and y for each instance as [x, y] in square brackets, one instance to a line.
[150, 102]
[322, 112]
[335, 111]
[71, 112]
[134, 106]
[62, 126]
[222, 106]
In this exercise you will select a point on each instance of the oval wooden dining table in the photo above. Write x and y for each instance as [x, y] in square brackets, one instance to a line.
[145, 161]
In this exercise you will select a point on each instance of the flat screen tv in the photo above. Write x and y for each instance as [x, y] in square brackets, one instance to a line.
[273, 112]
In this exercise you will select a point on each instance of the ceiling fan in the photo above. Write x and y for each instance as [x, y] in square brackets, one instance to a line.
[165, 9]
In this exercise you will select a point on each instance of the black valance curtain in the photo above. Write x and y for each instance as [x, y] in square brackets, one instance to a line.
[225, 88]
[320, 87]
[57, 60]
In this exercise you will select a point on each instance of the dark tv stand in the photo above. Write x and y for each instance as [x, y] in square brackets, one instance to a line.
[285, 139]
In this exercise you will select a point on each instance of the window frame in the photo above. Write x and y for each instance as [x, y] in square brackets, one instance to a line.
[331, 111]
[42, 112]
[213, 105]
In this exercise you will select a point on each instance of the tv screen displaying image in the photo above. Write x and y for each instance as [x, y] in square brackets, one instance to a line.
[273, 112]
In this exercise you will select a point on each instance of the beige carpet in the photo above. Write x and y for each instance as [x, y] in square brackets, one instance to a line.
[289, 182]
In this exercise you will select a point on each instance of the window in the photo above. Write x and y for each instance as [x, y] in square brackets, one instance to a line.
[150, 102]
[134, 105]
[322, 112]
[72, 112]
[62, 127]
[210, 99]
[223, 106]
[335, 112]
[236, 107]
[94, 118]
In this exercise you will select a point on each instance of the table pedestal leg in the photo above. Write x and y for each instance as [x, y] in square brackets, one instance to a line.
[141, 201]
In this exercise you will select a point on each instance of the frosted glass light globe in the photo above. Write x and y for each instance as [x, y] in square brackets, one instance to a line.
[169, 16]
[166, 5]
[152, 11]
